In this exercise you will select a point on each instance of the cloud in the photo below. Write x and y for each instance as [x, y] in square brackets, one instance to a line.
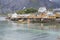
[50, 0]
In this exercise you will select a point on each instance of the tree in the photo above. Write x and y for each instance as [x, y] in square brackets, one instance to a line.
[27, 11]
[20, 12]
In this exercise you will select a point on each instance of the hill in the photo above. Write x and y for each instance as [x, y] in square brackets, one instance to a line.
[12, 5]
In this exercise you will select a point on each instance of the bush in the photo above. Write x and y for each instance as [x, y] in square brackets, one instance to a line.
[27, 11]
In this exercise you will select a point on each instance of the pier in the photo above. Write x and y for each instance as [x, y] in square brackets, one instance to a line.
[32, 19]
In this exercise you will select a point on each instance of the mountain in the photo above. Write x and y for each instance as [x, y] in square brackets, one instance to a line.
[12, 5]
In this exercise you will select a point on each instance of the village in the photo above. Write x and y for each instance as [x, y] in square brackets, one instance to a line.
[43, 15]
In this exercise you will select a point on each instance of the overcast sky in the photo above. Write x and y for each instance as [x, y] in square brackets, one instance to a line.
[55, 0]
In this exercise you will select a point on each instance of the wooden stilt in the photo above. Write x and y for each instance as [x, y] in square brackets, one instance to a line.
[28, 20]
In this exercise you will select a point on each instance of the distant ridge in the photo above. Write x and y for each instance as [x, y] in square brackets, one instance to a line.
[12, 5]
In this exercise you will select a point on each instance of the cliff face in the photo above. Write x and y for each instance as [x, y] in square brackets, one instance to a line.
[11, 5]
[46, 3]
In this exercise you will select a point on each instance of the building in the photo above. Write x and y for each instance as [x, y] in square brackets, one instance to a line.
[23, 15]
[51, 15]
[57, 12]
[14, 15]
[42, 9]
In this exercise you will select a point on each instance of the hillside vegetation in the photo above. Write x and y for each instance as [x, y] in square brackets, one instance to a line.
[27, 11]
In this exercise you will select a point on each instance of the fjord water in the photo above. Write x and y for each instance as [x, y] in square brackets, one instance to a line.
[32, 31]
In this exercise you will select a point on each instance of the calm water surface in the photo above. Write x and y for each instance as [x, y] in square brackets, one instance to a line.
[33, 31]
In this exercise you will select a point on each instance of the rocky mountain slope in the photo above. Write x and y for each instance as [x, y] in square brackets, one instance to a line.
[12, 5]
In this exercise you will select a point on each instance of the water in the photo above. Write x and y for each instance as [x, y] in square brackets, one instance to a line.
[33, 31]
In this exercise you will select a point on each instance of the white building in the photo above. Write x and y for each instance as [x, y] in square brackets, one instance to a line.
[14, 15]
[24, 15]
[42, 9]
[50, 13]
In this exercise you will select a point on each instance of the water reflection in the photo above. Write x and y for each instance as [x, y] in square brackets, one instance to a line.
[32, 31]
[46, 26]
